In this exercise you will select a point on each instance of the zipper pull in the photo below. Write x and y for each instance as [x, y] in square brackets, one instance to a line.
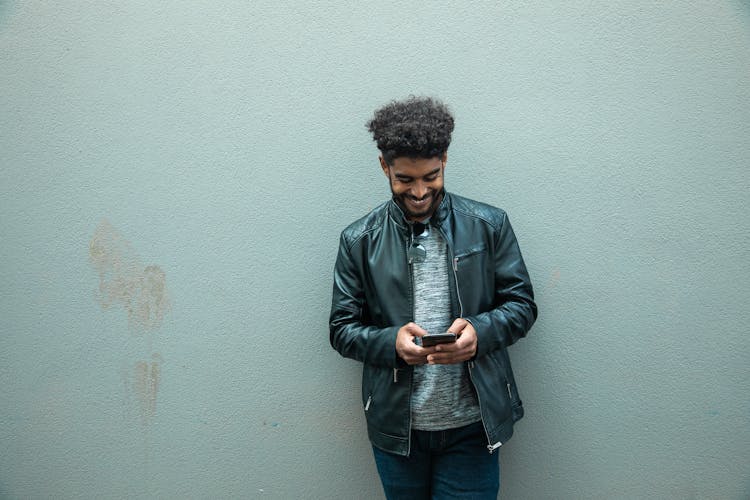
[395, 375]
[455, 263]
[369, 400]
[510, 394]
[492, 447]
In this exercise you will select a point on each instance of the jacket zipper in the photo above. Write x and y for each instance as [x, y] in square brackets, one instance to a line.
[395, 370]
[411, 290]
[458, 292]
[490, 447]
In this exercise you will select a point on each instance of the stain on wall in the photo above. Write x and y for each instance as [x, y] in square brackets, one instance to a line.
[124, 281]
[146, 386]
[554, 279]
[140, 290]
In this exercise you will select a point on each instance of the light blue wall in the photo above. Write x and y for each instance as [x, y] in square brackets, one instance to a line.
[174, 176]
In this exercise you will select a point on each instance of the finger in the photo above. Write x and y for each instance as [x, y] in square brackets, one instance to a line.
[448, 346]
[463, 342]
[447, 358]
[468, 347]
[417, 358]
[458, 325]
[415, 351]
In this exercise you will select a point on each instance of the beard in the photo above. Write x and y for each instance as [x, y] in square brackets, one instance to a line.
[405, 202]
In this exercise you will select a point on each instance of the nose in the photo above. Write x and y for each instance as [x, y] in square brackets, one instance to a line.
[419, 190]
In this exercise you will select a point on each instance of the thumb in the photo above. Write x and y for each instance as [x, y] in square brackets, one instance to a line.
[458, 325]
[416, 330]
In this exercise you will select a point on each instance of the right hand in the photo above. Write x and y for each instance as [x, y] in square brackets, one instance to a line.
[407, 350]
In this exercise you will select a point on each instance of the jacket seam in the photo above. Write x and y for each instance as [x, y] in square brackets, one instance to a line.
[357, 237]
[486, 220]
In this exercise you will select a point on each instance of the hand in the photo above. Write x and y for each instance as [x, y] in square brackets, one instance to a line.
[463, 349]
[407, 350]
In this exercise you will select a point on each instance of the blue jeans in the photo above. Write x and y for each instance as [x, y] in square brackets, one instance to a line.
[453, 463]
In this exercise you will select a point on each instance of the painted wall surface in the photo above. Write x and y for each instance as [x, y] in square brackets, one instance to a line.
[174, 177]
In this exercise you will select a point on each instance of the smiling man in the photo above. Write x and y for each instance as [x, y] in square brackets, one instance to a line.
[423, 264]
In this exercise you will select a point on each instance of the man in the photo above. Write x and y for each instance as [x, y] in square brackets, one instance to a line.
[431, 262]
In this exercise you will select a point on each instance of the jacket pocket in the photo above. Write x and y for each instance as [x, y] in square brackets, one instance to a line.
[503, 361]
[465, 253]
[382, 397]
[493, 389]
[474, 278]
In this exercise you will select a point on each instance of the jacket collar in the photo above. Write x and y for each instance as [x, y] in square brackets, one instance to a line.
[397, 215]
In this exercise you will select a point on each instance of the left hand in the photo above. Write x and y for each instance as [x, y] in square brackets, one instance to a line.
[463, 349]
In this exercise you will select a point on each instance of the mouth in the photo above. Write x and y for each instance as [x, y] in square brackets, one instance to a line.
[424, 202]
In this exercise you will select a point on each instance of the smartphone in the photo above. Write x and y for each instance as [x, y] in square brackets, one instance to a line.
[438, 338]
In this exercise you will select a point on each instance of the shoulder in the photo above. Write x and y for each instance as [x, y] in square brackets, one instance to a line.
[371, 222]
[465, 207]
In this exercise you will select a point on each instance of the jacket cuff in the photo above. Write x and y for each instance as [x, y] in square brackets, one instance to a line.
[386, 348]
[483, 341]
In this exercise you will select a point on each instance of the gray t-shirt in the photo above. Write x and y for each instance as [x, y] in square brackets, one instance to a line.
[442, 397]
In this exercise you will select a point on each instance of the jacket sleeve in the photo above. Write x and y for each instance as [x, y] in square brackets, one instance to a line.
[349, 334]
[515, 310]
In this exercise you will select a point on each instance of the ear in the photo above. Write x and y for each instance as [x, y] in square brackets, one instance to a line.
[384, 166]
[444, 159]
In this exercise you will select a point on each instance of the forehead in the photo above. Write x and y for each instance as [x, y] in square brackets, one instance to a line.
[415, 167]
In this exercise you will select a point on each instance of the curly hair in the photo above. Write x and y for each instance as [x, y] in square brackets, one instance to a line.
[418, 127]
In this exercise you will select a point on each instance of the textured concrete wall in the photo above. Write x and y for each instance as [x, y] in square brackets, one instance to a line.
[174, 176]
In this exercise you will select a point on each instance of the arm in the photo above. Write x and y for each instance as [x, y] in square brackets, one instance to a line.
[515, 310]
[349, 334]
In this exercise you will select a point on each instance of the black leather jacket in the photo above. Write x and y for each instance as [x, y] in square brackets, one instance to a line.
[372, 299]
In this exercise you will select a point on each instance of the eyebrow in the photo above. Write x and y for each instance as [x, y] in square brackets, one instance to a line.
[428, 174]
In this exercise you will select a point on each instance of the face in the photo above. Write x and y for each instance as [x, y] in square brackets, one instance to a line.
[416, 184]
